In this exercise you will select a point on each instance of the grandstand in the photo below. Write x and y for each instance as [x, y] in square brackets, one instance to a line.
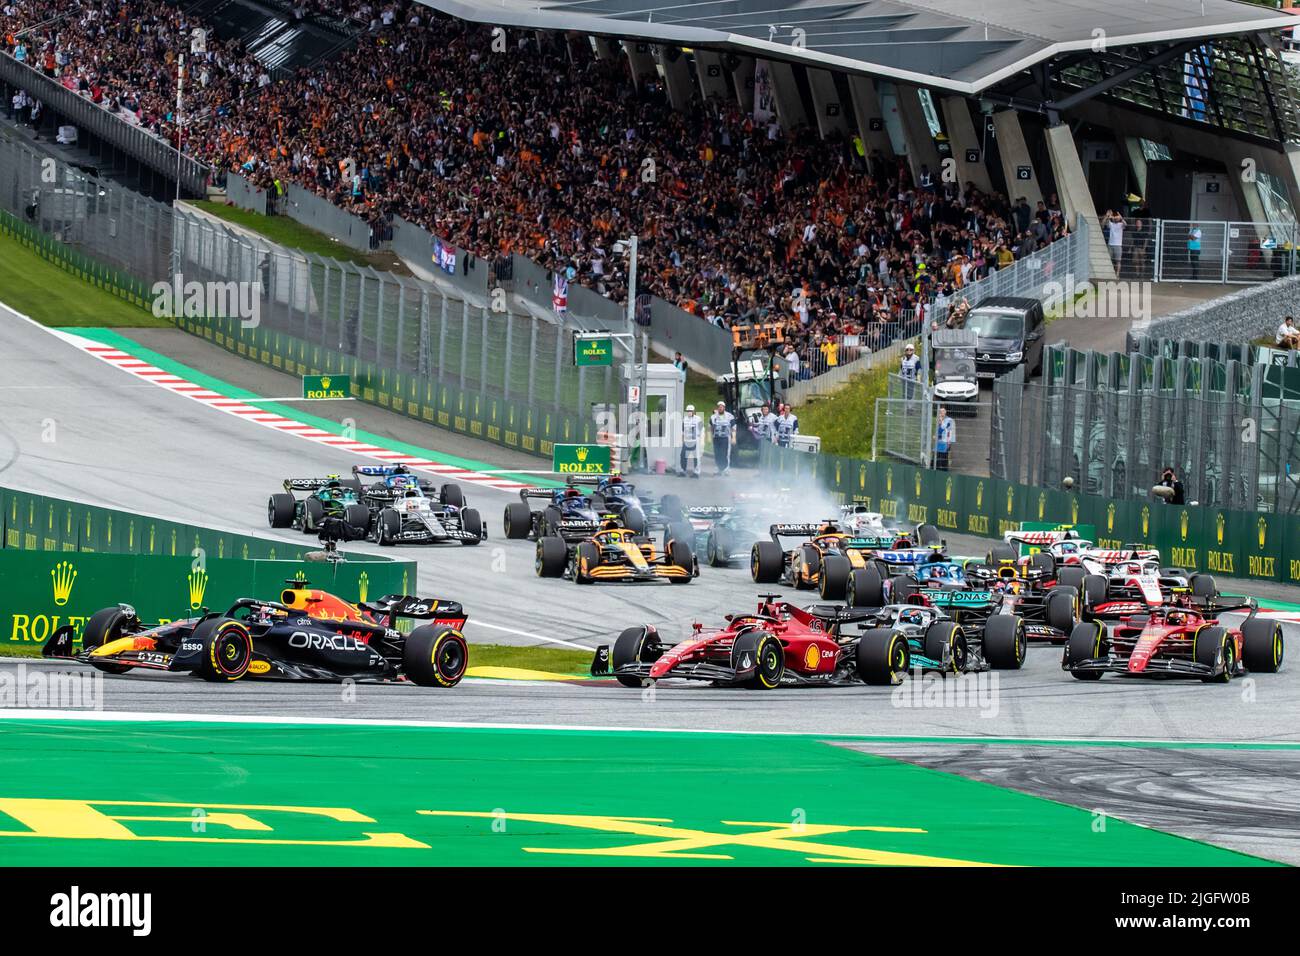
[848, 169]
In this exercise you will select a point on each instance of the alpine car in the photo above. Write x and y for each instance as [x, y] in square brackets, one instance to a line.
[615, 554]
[568, 514]
[402, 511]
[328, 497]
[825, 561]
[862, 523]
[785, 644]
[307, 635]
[1177, 640]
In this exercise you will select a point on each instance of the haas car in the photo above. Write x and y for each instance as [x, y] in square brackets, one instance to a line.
[615, 554]
[783, 644]
[330, 497]
[1177, 640]
[307, 635]
[403, 509]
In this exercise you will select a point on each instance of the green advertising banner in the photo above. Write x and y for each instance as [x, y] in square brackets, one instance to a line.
[581, 459]
[592, 350]
[43, 591]
[1228, 543]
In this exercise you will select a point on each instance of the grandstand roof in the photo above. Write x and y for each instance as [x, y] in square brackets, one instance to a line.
[964, 47]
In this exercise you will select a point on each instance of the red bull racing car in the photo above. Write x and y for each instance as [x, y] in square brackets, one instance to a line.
[307, 635]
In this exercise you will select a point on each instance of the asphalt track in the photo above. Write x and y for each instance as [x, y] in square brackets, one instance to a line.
[122, 443]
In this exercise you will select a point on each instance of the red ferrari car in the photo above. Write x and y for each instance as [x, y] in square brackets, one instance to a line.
[780, 643]
[1176, 640]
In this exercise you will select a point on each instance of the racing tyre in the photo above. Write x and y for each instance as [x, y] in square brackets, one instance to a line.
[552, 555]
[1096, 588]
[946, 634]
[928, 534]
[104, 627]
[586, 556]
[763, 652]
[1058, 609]
[471, 522]
[226, 649]
[681, 555]
[357, 517]
[883, 657]
[279, 510]
[670, 506]
[679, 531]
[633, 647]
[1203, 586]
[865, 588]
[1207, 646]
[435, 656]
[999, 553]
[812, 566]
[634, 520]
[452, 495]
[1071, 576]
[718, 548]
[1005, 643]
[766, 562]
[1262, 646]
[1043, 562]
[313, 513]
[901, 589]
[518, 520]
[387, 527]
[834, 580]
[1084, 644]
[551, 519]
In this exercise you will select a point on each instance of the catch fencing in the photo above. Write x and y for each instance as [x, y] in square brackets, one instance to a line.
[108, 226]
[1230, 428]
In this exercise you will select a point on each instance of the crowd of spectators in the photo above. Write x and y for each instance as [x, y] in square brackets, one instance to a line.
[536, 146]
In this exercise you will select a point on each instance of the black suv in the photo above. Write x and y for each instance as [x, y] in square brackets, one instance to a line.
[1010, 332]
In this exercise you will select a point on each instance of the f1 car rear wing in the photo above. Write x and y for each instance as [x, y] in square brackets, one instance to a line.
[380, 471]
[307, 484]
[417, 608]
[1040, 538]
[795, 530]
[709, 511]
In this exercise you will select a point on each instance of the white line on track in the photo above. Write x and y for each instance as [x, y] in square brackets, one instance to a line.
[159, 718]
[473, 621]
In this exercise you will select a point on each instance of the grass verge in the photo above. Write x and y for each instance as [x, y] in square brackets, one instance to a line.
[286, 232]
[40, 289]
[845, 420]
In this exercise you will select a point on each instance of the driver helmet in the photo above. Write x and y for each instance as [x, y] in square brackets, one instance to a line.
[412, 492]
[911, 617]
[1176, 617]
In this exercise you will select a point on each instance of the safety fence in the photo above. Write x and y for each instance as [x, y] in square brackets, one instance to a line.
[396, 323]
[46, 590]
[1229, 427]
[513, 423]
[1035, 276]
[1235, 543]
[1180, 250]
[95, 228]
